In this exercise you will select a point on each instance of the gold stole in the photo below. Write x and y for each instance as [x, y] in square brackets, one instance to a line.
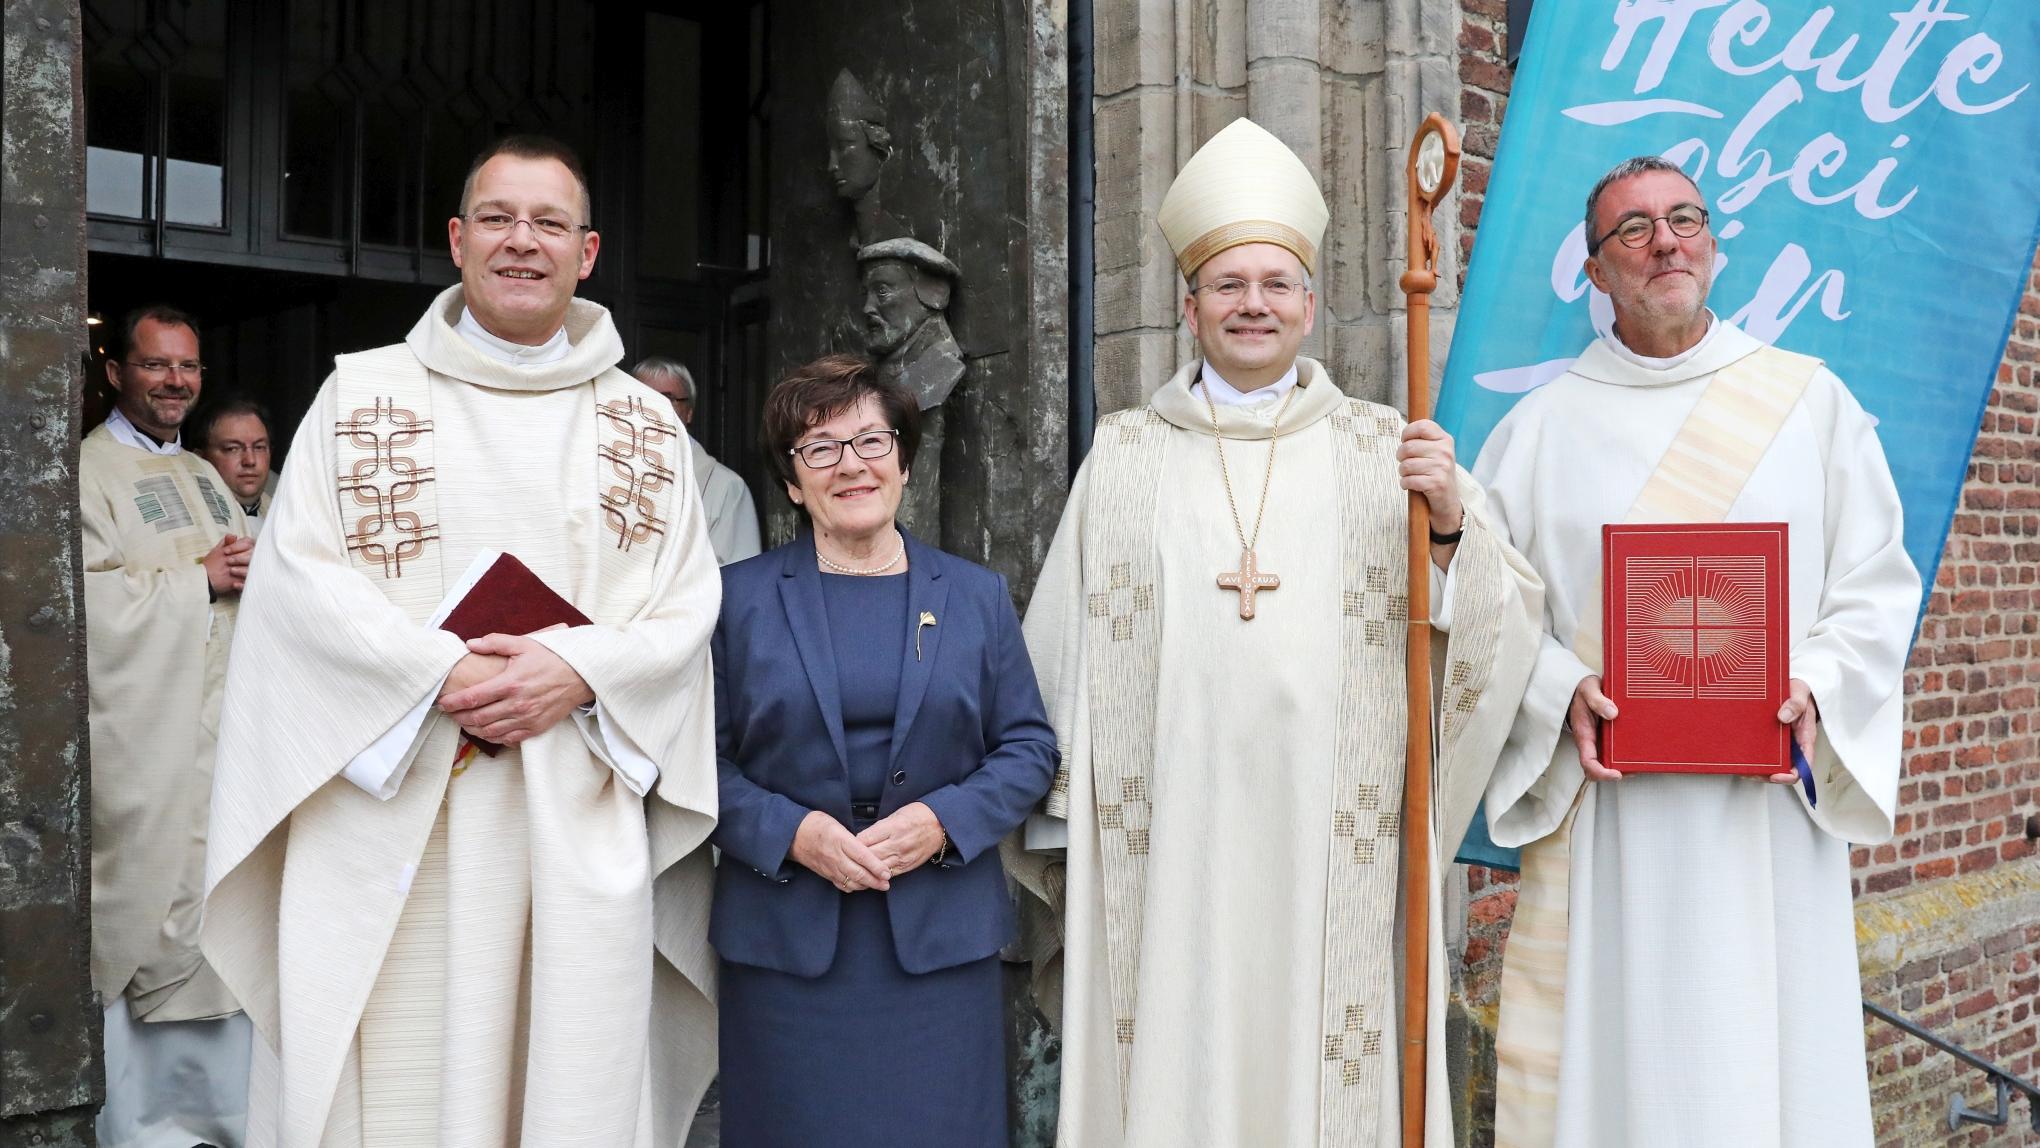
[1699, 478]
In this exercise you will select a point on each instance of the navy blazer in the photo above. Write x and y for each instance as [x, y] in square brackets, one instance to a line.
[970, 740]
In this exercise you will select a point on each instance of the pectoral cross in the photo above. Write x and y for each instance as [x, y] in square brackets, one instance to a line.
[1248, 581]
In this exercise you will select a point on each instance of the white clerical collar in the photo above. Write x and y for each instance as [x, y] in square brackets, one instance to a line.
[1222, 393]
[505, 351]
[1648, 363]
[124, 431]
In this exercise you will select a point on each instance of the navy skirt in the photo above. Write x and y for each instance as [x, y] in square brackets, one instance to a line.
[867, 1055]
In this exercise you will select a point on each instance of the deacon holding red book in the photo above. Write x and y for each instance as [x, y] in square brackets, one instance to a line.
[488, 538]
[1682, 965]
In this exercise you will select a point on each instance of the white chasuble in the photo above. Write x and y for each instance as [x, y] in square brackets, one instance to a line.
[157, 657]
[514, 951]
[1693, 945]
[1232, 789]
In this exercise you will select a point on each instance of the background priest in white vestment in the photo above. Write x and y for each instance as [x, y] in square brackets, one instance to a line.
[726, 503]
[1220, 634]
[1682, 966]
[166, 553]
[441, 946]
[233, 435]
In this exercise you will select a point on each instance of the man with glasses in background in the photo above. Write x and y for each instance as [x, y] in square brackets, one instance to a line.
[233, 435]
[725, 501]
[1637, 1013]
[166, 552]
[464, 886]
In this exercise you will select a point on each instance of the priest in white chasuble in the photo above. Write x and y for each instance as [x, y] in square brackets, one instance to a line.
[1220, 632]
[1682, 969]
[443, 946]
[165, 554]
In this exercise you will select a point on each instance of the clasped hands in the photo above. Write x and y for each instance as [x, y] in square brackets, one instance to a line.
[226, 564]
[1589, 703]
[895, 844]
[508, 688]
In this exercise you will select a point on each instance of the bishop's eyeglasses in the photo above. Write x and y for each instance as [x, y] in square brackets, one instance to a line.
[1276, 287]
[1636, 231]
[824, 453]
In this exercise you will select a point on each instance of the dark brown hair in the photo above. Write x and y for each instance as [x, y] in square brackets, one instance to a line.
[825, 388]
[211, 412]
[162, 313]
[529, 146]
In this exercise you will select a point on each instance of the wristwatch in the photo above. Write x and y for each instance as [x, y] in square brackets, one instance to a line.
[1438, 539]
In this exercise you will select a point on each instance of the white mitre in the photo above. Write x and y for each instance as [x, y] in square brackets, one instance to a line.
[1243, 186]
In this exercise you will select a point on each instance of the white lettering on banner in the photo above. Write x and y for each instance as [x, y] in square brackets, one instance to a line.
[1818, 174]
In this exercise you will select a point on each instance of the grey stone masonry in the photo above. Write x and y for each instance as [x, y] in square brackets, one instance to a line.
[1344, 83]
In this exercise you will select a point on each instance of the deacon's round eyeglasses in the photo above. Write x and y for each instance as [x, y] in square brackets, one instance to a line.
[824, 453]
[1636, 231]
[546, 226]
[1277, 287]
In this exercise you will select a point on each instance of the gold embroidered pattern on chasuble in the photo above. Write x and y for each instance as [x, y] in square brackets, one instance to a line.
[1364, 861]
[1123, 647]
[385, 466]
[637, 469]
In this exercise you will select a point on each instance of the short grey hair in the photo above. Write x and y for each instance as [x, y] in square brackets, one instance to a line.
[1627, 169]
[670, 367]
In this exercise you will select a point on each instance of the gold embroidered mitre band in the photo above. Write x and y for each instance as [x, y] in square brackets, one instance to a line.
[1243, 186]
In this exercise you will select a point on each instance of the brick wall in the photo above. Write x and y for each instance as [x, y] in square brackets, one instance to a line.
[1971, 770]
[1948, 912]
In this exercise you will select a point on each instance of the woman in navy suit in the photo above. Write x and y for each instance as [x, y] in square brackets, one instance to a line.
[878, 730]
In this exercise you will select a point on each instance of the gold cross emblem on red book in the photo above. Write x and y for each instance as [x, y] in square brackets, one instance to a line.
[1248, 581]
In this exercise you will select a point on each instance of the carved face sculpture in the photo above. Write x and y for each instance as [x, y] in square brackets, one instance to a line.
[896, 303]
[853, 162]
[858, 140]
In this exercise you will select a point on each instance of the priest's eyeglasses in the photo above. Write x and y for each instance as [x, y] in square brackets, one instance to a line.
[157, 368]
[824, 453]
[1277, 287]
[1636, 231]
[546, 226]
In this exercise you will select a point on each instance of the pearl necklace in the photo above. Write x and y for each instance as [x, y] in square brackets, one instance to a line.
[839, 568]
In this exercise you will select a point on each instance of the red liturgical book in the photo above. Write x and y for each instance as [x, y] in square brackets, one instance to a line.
[1694, 619]
[500, 595]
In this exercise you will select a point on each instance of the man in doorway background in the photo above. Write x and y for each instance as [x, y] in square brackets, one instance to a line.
[233, 435]
[725, 500]
[166, 553]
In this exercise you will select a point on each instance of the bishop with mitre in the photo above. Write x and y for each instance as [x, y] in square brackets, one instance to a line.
[1220, 633]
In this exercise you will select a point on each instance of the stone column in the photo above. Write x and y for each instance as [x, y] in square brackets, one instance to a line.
[1344, 83]
[50, 1076]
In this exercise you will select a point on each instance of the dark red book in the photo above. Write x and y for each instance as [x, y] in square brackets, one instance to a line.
[1695, 642]
[503, 596]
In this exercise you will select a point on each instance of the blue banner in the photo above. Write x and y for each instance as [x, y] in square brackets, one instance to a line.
[1873, 173]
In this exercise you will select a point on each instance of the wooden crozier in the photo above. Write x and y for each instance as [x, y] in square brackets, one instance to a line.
[1433, 162]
